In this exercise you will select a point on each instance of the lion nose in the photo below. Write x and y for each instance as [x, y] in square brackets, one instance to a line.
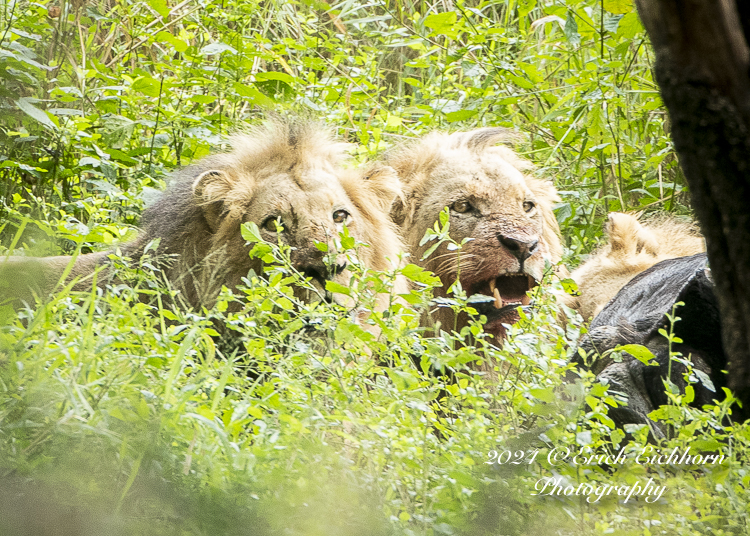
[335, 269]
[321, 272]
[520, 249]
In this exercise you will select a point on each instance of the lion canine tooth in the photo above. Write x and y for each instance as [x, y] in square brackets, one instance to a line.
[492, 286]
[498, 299]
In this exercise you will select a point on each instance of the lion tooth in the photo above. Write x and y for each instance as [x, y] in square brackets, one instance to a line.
[498, 299]
[492, 286]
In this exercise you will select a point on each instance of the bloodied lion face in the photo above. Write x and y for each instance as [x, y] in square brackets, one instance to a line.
[504, 212]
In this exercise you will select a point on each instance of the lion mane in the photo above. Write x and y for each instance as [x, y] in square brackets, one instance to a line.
[283, 172]
[494, 201]
[632, 246]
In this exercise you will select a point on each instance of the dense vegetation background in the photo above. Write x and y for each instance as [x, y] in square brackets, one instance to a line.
[122, 418]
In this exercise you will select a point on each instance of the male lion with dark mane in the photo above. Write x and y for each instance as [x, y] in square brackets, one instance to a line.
[631, 248]
[287, 173]
[494, 201]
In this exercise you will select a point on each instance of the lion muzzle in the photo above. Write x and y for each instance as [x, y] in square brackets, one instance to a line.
[519, 248]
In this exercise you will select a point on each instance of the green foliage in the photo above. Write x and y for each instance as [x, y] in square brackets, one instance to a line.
[269, 414]
[122, 415]
[102, 99]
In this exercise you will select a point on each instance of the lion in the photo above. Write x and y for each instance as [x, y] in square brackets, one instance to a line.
[495, 203]
[631, 248]
[286, 177]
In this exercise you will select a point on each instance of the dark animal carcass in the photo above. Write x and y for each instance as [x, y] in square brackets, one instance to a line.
[635, 316]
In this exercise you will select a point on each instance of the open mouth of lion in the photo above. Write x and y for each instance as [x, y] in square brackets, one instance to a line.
[318, 291]
[501, 295]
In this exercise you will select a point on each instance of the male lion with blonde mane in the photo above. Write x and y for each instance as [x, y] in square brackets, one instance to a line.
[631, 248]
[287, 173]
[495, 202]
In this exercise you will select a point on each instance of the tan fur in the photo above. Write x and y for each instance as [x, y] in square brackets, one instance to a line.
[631, 248]
[442, 170]
[287, 170]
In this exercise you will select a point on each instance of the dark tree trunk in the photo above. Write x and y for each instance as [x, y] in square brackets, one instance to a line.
[702, 67]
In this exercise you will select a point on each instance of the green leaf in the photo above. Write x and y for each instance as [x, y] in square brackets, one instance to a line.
[440, 21]
[332, 286]
[611, 23]
[570, 286]
[275, 75]
[706, 445]
[351, 332]
[640, 352]
[619, 7]
[571, 29]
[705, 379]
[250, 232]
[203, 99]
[630, 26]
[525, 7]
[117, 130]
[460, 115]
[147, 85]
[444, 218]
[563, 212]
[419, 274]
[402, 380]
[545, 395]
[160, 6]
[253, 95]
[670, 412]
[35, 113]
[595, 121]
[166, 37]
[430, 250]
[217, 48]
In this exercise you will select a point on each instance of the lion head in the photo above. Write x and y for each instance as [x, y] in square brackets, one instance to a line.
[631, 248]
[494, 202]
[287, 177]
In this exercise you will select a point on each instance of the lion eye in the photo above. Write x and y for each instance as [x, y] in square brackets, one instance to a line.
[270, 224]
[528, 206]
[340, 216]
[461, 206]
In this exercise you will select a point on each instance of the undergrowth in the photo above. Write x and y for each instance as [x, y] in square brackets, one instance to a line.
[266, 415]
[122, 414]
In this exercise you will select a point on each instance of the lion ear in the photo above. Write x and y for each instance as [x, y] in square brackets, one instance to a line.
[623, 231]
[210, 189]
[627, 234]
[398, 212]
[383, 182]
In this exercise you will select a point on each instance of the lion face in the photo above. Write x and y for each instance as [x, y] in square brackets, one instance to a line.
[313, 209]
[300, 197]
[288, 172]
[505, 214]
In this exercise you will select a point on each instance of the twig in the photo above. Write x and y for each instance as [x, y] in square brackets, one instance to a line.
[164, 27]
[156, 126]
[10, 22]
